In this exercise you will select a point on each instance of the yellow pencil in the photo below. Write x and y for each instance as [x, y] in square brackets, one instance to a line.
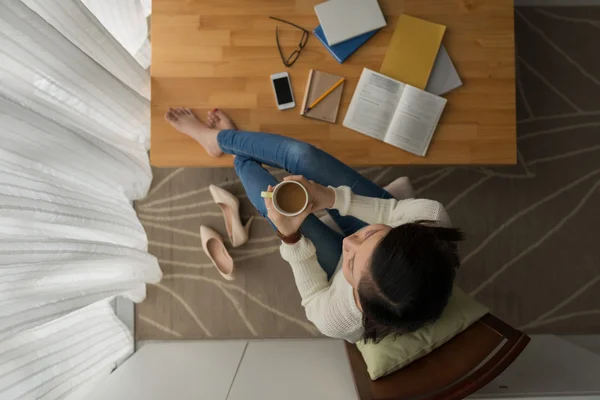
[317, 101]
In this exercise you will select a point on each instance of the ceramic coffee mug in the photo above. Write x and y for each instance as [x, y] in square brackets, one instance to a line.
[290, 198]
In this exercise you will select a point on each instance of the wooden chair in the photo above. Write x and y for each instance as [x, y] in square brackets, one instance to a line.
[455, 370]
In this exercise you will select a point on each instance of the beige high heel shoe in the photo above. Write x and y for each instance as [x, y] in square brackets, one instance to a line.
[213, 246]
[230, 206]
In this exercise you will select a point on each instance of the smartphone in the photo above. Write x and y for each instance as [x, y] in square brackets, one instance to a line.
[283, 91]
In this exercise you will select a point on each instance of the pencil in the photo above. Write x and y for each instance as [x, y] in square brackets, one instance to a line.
[331, 89]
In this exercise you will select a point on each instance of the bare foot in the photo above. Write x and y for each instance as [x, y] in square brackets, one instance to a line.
[219, 120]
[186, 122]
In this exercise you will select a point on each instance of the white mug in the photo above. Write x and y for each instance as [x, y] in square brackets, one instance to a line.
[273, 195]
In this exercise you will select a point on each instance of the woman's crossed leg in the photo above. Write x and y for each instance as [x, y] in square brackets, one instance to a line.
[255, 149]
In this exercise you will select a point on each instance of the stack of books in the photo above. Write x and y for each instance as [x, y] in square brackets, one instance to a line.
[401, 104]
[415, 55]
[345, 25]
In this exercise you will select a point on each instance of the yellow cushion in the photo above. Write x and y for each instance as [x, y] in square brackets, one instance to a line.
[391, 353]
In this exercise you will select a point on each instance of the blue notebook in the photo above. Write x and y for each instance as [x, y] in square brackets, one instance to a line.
[342, 51]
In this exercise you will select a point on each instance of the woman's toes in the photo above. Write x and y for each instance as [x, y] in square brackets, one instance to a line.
[217, 113]
[170, 116]
[211, 121]
[212, 117]
[180, 111]
[224, 121]
[187, 111]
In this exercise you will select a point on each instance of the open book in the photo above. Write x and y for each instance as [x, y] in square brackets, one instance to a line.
[393, 112]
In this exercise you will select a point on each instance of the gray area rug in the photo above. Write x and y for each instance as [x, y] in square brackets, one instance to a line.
[533, 249]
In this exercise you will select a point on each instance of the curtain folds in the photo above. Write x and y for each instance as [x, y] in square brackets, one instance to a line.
[74, 134]
[84, 30]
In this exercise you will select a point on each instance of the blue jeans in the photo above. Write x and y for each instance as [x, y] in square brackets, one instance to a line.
[254, 149]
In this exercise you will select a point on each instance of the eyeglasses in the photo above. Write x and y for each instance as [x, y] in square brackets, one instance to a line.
[288, 62]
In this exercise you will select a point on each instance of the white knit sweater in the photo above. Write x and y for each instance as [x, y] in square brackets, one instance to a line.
[331, 305]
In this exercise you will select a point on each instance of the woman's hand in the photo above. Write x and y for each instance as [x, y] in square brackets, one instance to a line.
[286, 225]
[321, 197]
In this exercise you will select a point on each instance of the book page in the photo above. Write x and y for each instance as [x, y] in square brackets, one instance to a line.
[373, 104]
[415, 120]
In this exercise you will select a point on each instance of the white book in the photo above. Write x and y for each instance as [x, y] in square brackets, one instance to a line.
[444, 77]
[344, 19]
[394, 112]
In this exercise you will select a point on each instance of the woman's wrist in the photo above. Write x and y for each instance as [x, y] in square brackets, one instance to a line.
[290, 238]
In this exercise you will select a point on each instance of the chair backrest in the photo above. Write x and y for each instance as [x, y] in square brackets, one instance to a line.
[455, 370]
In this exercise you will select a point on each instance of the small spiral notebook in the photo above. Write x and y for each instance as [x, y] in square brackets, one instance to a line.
[318, 83]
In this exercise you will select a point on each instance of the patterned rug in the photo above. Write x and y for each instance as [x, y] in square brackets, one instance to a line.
[532, 253]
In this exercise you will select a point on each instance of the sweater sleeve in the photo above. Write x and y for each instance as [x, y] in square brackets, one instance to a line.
[388, 211]
[333, 312]
[309, 276]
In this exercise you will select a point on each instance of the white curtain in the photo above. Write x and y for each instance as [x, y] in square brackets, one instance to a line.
[74, 134]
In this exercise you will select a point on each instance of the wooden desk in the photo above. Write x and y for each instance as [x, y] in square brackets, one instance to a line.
[220, 54]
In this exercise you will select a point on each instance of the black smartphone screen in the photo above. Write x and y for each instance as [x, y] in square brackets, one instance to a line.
[283, 90]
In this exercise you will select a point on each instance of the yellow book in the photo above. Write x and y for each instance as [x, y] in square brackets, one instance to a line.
[412, 51]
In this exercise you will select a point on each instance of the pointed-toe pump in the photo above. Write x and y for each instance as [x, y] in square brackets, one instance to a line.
[213, 246]
[230, 206]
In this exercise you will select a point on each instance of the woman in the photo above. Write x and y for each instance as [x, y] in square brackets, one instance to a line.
[396, 273]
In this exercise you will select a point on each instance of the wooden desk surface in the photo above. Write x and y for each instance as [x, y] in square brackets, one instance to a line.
[208, 54]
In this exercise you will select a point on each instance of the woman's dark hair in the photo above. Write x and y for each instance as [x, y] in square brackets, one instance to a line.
[411, 275]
